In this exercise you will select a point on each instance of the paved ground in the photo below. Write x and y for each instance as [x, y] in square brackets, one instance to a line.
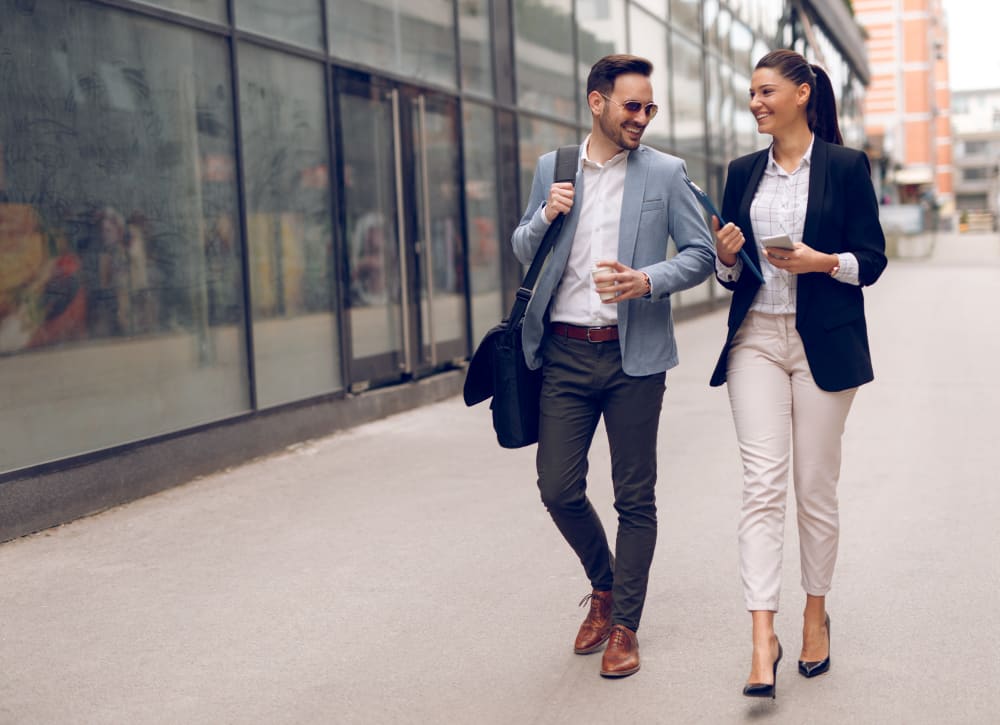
[405, 571]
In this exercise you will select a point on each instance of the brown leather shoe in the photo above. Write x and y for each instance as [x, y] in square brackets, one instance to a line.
[597, 626]
[621, 658]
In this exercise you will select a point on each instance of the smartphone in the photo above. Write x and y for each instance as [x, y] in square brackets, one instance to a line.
[782, 241]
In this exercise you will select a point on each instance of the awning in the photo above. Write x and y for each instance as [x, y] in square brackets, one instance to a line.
[912, 175]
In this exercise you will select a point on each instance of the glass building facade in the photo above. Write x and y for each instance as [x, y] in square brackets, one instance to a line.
[214, 208]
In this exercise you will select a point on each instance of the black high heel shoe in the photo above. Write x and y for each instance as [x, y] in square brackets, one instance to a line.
[760, 689]
[812, 669]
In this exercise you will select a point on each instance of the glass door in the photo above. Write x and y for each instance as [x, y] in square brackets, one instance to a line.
[402, 217]
[440, 243]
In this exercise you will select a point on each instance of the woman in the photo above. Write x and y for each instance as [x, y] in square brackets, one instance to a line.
[797, 346]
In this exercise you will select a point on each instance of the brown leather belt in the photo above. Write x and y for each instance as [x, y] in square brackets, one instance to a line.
[590, 334]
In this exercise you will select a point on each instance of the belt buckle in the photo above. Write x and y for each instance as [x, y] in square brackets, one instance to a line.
[592, 329]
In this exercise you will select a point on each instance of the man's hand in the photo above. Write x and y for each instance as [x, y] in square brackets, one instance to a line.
[625, 282]
[560, 200]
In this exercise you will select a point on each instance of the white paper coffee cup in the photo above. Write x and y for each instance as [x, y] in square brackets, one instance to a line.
[606, 293]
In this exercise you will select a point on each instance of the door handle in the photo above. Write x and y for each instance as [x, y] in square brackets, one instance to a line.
[404, 300]
[428, 257]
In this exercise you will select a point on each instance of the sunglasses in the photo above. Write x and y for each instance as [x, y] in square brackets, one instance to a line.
[636, 106]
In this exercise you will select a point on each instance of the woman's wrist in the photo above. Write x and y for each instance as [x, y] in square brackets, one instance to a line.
[828, 263]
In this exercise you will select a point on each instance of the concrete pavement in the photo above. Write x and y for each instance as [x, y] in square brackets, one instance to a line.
[405, 571]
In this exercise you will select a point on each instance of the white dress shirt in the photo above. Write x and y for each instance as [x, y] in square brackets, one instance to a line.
[779, 207]
[576, 301]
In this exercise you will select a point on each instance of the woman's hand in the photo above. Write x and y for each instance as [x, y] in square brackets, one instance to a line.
[729, 240]
[802, 259]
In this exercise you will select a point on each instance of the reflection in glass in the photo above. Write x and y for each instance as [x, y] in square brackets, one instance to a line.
[684, 15]
[120, 304]
[481, 219]
[741, 43]
[689, 105]
[477, 53]
[368, 155]
[415, 38]
[538, 137]
[649, 39]
[714, 92]
[543, 49]
[658, 8]
[295, 21]
[601, 32]
[440, 241]
[283, 110]
[208, 9]
[747, 138]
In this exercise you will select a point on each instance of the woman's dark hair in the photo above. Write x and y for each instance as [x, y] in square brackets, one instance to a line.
[822, 109]
[607, 69]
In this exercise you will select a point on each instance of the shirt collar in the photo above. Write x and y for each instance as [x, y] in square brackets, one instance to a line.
[774, 169]
[613, 161]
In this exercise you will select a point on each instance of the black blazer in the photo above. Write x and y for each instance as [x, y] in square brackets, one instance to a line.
[841, 216]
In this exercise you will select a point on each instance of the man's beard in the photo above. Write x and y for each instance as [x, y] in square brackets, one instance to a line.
[616, 133]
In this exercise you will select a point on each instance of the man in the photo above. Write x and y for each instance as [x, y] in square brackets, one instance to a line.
[609, 357]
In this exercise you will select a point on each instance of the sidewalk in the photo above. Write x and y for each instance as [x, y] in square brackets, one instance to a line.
[406, 572]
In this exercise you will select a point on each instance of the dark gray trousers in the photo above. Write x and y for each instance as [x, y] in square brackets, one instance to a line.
[581, 381]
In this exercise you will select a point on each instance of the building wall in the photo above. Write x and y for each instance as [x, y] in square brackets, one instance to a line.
[976, 128]
[908, 103]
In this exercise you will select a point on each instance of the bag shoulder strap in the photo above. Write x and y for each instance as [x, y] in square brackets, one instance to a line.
[567, 159]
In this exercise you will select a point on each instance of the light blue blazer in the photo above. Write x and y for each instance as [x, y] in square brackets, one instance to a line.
[656, 205]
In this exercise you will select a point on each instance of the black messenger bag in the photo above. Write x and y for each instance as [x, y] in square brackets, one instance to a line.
[498, 368]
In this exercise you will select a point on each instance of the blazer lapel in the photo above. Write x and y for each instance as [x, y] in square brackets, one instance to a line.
[817, 192]
[753, 181]
[814, 212]
[635, 185]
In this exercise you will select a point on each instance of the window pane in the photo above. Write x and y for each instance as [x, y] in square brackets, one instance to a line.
[481, 216]
[208, 9]
[477, 58]
[649, 39]
[689, 106]
[684, 15]
[439, 233]
[415, 38]
[657, 7]
[294, 21]
[747, 138]
[543, 47]
[715, 92]
[283, 113]
[741, 44]
[601, 32]
[120, 298]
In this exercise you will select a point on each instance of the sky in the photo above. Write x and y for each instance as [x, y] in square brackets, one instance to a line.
[974, 58]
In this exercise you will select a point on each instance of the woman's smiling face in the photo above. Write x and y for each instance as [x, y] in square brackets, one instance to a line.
[776, 102]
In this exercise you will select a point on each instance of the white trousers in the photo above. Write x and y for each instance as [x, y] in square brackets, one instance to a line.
[778, 409]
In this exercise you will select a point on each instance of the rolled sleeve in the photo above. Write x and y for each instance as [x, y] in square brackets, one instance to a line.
[849, 269]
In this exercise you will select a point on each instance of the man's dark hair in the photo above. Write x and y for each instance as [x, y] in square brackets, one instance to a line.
[607, 69]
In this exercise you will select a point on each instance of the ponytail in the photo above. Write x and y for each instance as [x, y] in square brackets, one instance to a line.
[822, 109]
[821, 112]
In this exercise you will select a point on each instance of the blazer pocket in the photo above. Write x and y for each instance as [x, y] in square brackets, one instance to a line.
[842, 315]
[652, 204]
